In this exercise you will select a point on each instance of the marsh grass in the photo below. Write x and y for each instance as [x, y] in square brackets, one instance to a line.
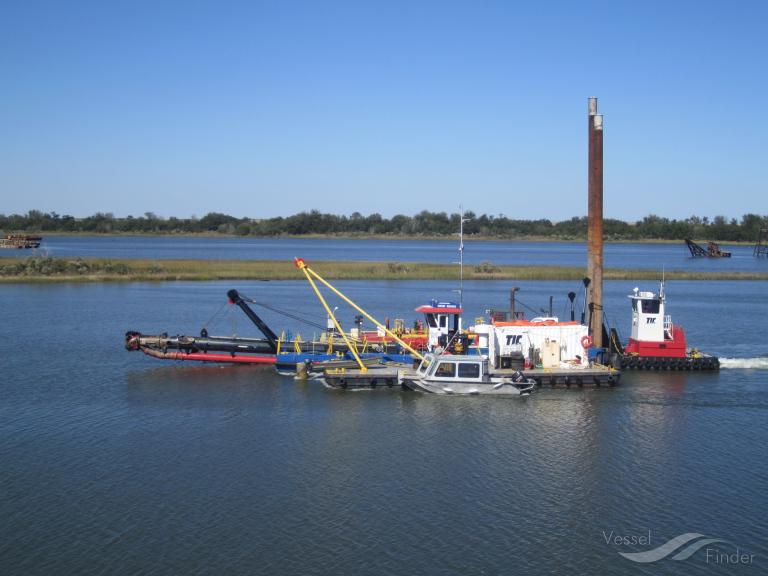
[49, 269]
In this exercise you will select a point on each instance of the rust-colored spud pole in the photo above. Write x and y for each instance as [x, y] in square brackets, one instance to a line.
[595, 224]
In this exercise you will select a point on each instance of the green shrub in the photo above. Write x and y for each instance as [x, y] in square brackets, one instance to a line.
[487, 268]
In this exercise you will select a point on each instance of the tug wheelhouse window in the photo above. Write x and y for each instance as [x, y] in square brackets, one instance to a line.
[651, 306]
[446, 370]
[469, 370]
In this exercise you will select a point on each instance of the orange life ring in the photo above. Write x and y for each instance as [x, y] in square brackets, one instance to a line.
[586, 342]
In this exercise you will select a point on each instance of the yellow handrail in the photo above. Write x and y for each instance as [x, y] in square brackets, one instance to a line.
[297, 344]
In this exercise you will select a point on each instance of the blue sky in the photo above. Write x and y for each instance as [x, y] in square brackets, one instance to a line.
[262, 109]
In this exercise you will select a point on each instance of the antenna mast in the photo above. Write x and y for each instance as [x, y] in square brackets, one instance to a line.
[461, 260]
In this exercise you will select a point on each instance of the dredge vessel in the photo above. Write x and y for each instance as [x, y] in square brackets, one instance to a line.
[550, 351]
[285, 352]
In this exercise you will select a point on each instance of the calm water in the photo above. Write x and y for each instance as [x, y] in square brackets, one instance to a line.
[656, 256]
[115, 463]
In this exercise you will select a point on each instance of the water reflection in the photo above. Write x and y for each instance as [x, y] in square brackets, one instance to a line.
[113, 460]
[187, 385]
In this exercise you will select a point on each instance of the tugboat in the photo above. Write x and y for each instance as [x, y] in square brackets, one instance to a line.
[656, 343]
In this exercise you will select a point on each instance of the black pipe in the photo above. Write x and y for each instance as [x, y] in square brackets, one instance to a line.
[586, 282]
[271, 337]
[218, 344]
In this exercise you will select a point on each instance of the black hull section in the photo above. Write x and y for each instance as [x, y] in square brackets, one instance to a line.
[660, 363]
[361, 382]
[571, 380]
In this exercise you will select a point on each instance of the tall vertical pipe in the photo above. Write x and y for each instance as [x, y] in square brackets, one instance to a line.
[595, 224]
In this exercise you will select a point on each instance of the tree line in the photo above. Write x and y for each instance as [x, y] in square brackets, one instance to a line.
[424, 223]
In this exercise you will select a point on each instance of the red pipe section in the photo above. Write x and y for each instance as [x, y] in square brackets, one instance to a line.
[208, 357]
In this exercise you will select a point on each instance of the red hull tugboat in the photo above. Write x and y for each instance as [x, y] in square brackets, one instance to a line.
[656, 343]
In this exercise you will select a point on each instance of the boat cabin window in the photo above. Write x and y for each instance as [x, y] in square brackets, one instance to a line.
[425, 364]
[443, 321]
[469, 370]
[650, 306]
[431, 321]
[446, 370]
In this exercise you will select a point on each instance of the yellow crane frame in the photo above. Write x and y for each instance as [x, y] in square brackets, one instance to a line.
[310, 274]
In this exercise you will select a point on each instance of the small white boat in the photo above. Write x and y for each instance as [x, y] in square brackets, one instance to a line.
[463, 375]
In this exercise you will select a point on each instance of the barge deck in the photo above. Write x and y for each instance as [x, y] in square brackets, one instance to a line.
[387, 377]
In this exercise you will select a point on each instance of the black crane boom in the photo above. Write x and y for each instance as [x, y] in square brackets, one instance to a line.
[234, 297]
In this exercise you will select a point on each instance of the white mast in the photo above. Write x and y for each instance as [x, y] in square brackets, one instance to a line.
[461, 260]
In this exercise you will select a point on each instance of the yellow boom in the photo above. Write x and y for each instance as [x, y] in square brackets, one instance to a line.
[301, 265]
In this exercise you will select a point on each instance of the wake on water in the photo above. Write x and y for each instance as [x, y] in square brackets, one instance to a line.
[759, 363]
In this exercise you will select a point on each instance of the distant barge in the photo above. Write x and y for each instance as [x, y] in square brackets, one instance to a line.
[20, 241]
[711, 251]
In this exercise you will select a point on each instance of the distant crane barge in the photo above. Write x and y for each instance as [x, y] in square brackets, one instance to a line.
[711, 251]
[20, 241]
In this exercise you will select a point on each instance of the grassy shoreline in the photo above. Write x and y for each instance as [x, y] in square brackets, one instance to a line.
[364, 236]
[55, 270]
